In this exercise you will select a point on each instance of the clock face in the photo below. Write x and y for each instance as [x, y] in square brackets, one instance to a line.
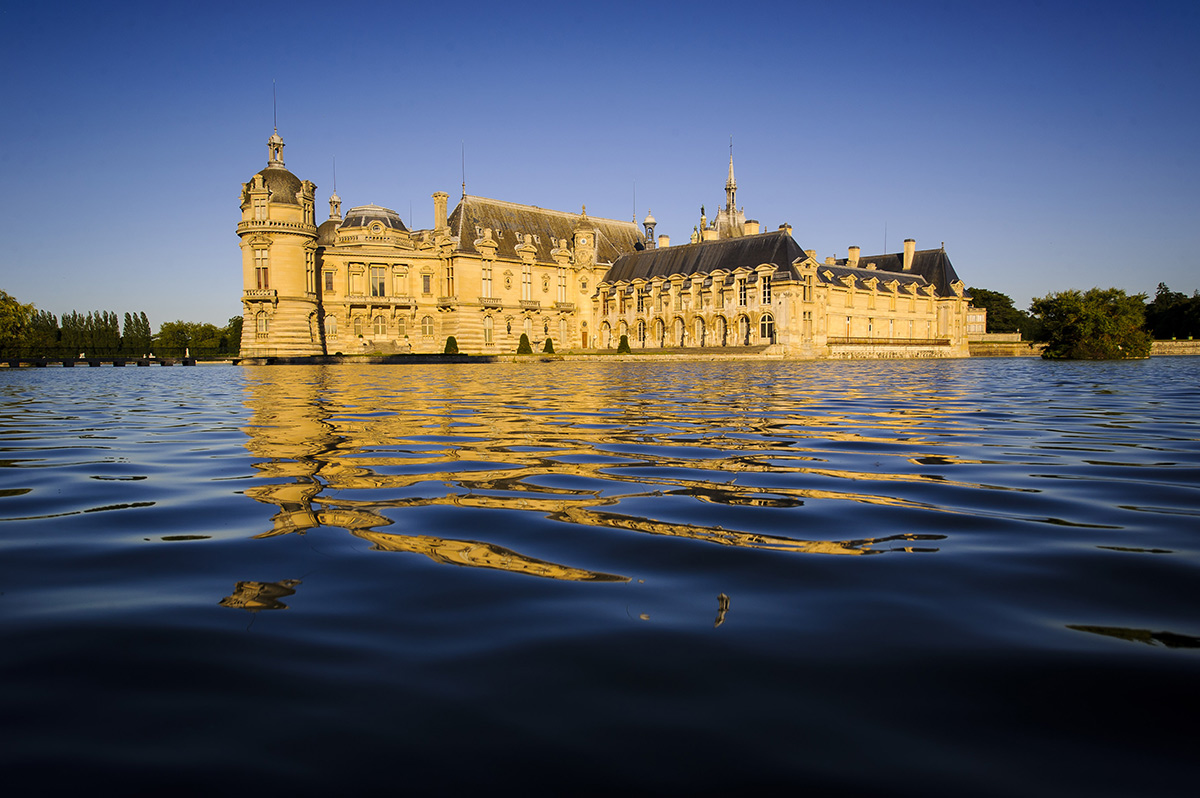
[583, 241]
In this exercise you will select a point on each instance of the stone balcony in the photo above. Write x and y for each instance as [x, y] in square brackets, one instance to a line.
[381, 301]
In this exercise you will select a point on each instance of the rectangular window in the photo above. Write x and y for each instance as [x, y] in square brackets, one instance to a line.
[526, 282]
[378, 281]
[641, 302]
[260, 208]
[261, 278]
[401, 326]
[766, 290]
[328, 281]
[486, 280]
[449, 279]
[426, 284]
[562, 285]
[427, 326]
[742, 292]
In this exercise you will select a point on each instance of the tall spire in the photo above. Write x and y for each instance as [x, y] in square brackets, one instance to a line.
[335, 202]
[730, 183]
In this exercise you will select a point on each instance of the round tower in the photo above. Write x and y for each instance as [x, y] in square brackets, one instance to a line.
[279, 275]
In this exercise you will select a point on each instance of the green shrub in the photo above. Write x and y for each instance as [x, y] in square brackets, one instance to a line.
[523, 347]
[549, 347]
[451, 346]
[623, 346]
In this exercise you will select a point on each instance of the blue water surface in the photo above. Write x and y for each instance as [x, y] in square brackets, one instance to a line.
[903, 578]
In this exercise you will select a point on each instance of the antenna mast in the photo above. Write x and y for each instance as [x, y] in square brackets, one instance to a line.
[274, 107]
[464, 168]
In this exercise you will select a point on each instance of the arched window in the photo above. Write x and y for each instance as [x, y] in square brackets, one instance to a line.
[529, 329]
[379, 326]
[660, 330]
[487, 330]
[722, 330]
[562, 330]
[678, 331]
[358, 326]
[699, 324]
[766, 327]
[427, 326]
[261, 323]
[605, 335]
[641, 333]
[331, 325]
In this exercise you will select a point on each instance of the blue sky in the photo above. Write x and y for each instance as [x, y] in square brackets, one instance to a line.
[1049, 145]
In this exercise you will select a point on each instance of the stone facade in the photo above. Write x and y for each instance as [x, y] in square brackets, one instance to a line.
[491, 271]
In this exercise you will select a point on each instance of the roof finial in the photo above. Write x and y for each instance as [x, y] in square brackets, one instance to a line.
[464, 168]
[275, 143]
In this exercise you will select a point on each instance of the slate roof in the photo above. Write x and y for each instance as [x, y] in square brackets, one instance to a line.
[365, 215]
[931, 264]
[776, 247]
[510, 222]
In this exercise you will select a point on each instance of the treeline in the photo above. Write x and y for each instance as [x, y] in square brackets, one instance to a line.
[27, 332]
[1170, 314]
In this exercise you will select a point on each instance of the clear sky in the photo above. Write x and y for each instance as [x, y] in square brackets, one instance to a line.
[1050, 145]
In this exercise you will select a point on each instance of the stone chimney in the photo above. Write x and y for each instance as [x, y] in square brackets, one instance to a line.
[664, 241]
[830, 261]
[852, 259]
[910, 249]
[811, 253]
[439, 210]
[752, 227]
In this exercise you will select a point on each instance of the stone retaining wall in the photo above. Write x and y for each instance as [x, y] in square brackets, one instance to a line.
[1168, 348]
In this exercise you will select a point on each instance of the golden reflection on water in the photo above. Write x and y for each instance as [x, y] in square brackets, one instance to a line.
[350, 448]
[255, 596]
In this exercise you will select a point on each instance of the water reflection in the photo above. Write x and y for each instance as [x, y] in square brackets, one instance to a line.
[1168, 639]
[255, 596]
[364, 450]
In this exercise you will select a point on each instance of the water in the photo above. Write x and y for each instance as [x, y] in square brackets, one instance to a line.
[953, 577]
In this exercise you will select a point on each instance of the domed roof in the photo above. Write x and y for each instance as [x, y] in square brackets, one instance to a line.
[366, 215]
[283, 185]
[327, 233]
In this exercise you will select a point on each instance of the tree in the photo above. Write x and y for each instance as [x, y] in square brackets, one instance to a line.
[14, 318]
[1002, 317]
[451, 346]
[233, 336]
[548, 348]
[1173, 314]
[1100, 324]
[41, 336]
[623, 346]
[136, 338]
[523, 347]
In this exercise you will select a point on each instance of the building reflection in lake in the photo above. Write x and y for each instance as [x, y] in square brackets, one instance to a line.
[366, 449]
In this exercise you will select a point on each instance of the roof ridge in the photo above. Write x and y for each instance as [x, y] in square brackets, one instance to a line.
[539, 209]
